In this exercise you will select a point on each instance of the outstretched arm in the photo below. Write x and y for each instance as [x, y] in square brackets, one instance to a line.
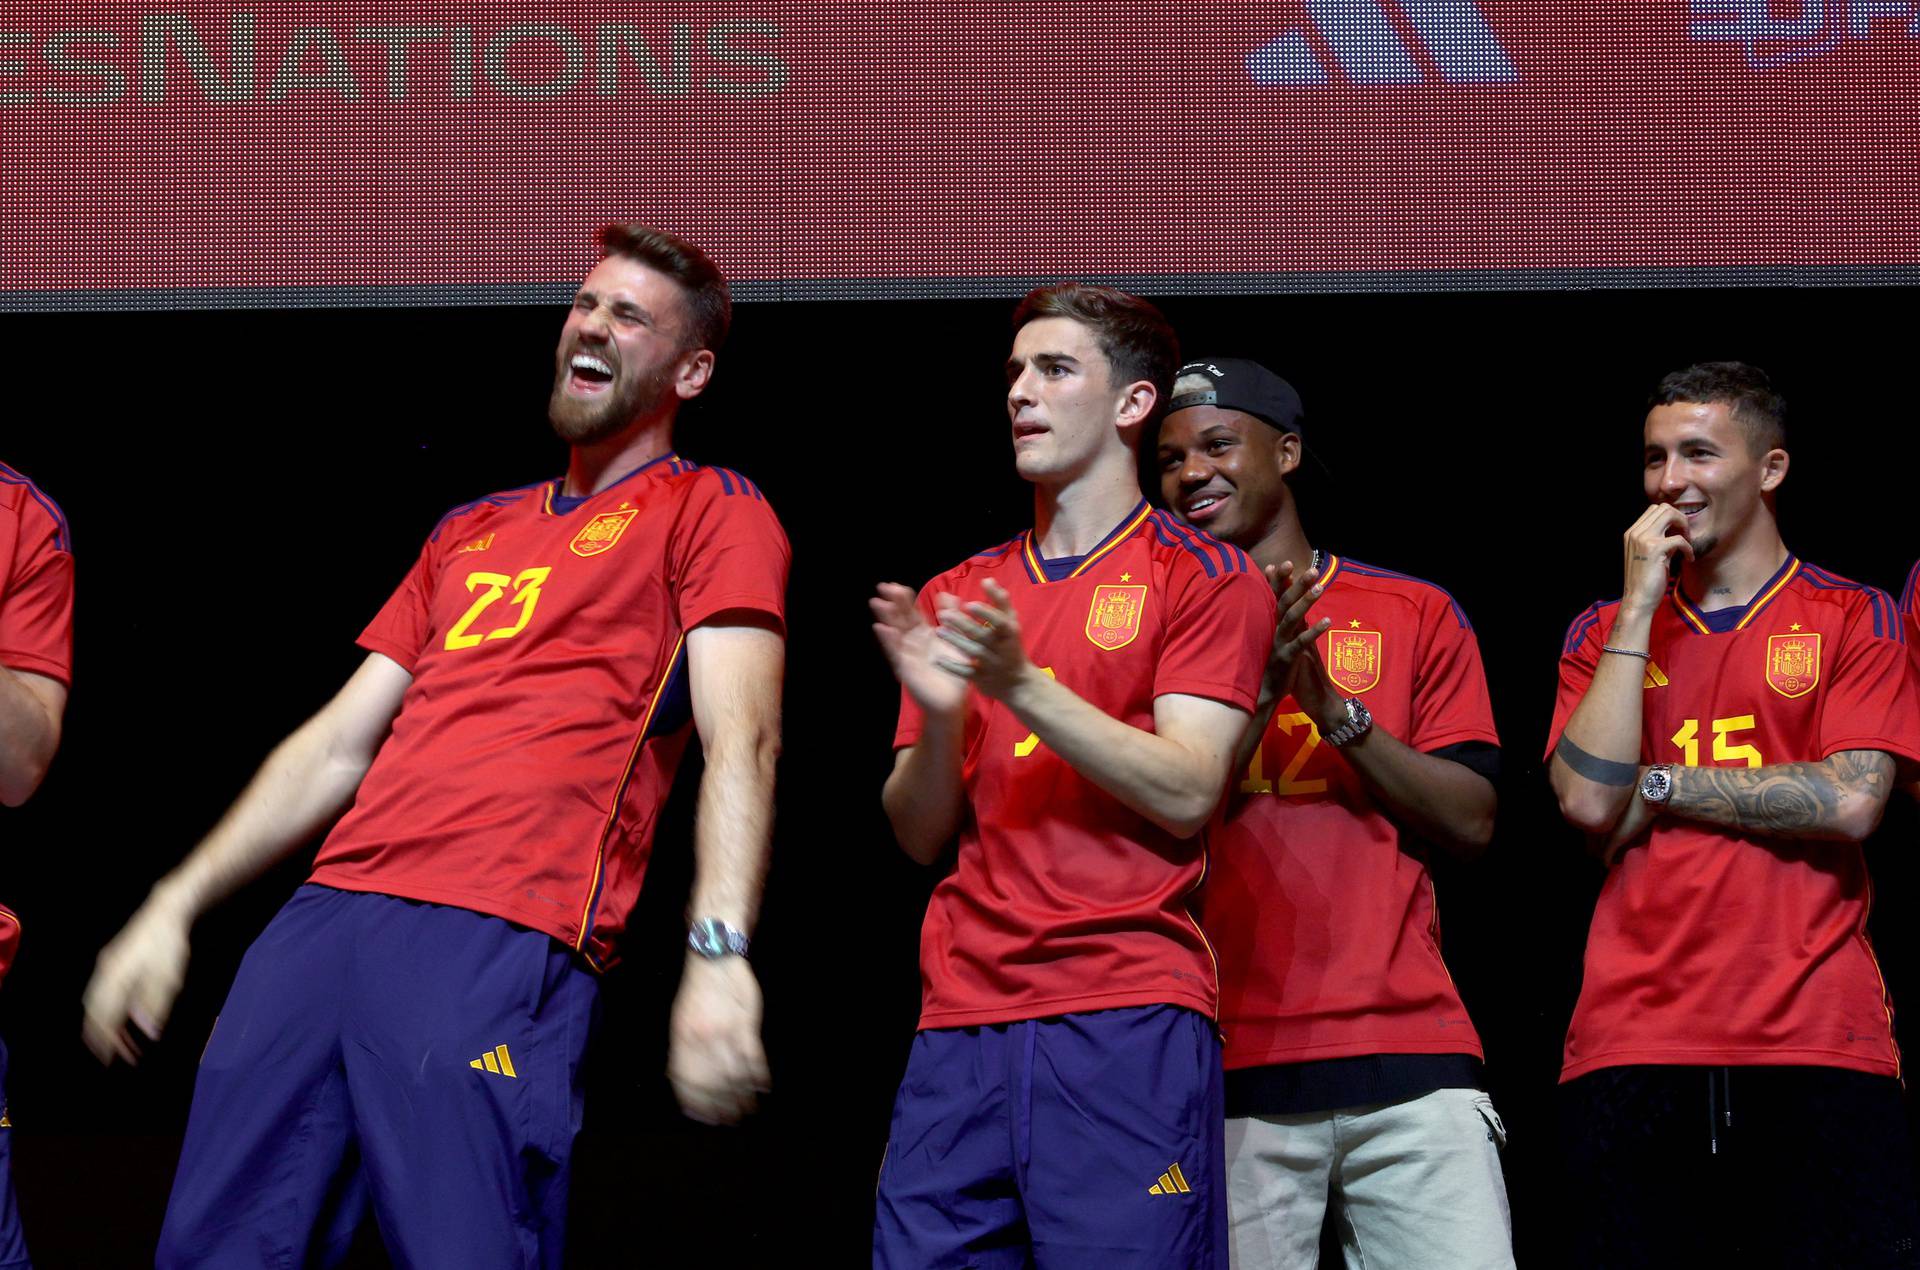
[715, 1060]
[308, 779]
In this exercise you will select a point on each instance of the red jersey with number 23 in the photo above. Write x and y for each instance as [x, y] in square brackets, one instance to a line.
[1062, 899]
[36, 607]
[549, 702]
[1324, 918]
[1714, 946]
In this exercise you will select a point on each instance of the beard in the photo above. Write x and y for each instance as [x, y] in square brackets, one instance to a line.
[595, 419]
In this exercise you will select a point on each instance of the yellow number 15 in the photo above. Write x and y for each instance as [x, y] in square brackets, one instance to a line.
[526, 594]
[1688, 739]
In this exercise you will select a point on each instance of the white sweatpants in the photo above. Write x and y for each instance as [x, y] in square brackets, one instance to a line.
[1415, 1184]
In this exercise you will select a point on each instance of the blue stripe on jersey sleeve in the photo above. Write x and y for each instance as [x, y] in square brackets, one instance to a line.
[1375, 571]
[503, 499]
[62, 532]
[1578, 628]
[1886, 619]
[1162, 525]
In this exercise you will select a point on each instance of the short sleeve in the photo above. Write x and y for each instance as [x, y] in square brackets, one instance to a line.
[912, 718]
[400, 629]
[1579, 658]
[1869, 704]
[1450, 701]
[729, 552]
[36, 607]
[1219, 635]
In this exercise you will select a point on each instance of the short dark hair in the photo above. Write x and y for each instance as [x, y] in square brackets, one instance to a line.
[1134, 337]
[709, 306]
[1745, 390]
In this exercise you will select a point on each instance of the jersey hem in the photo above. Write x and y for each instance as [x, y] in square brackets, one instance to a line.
[401, 656]
[752, 600]
[1013, 1012]
[1881, 743]
[1226, 694]
[34, 664]
[1458, 736]
[486, 906]
[1748, 1057]
[1366, 1049]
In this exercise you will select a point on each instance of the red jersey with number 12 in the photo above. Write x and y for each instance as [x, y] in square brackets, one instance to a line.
[1714, 946]
[1325, 919]
[549, 704]
[1063, 899]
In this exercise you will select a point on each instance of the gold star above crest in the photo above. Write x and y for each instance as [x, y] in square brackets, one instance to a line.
[1795, 626]
[1355, 623]
[1126, 577]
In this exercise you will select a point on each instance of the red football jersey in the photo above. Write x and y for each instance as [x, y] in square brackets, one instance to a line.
[1324, 919]
[36, 607]
[36, 581]
[1062, 899]
[1710, 946]
[549, 703]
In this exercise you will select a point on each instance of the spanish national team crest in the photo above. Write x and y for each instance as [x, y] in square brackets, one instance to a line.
[1793, 663]
[1353, 659]
[602, 532]
[1114, 620]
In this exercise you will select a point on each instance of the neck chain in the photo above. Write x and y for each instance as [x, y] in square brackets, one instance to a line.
[1315, 566]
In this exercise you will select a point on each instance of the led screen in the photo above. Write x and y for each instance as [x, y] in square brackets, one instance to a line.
[181, 153]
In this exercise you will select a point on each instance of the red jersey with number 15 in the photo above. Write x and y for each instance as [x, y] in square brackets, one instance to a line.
[1324, 918]
[549, 703]
[1063, 899]
[1714, 946]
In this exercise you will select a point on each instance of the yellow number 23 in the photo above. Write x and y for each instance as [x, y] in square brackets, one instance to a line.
[526, 594]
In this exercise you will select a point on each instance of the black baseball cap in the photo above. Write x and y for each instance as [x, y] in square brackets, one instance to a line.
[1246, 386]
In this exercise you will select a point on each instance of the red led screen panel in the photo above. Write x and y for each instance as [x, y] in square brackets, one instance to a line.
[187, 152]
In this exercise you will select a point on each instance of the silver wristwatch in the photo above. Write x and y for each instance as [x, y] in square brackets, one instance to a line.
[1657, 785]
[1359, 720]
[714, 939]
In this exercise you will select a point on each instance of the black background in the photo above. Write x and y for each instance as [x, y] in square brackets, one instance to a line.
[246, 488]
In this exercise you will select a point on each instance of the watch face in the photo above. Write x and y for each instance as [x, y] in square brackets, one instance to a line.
[706, 940]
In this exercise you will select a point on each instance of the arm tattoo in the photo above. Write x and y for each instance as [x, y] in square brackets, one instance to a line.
[1791, 800]
[1601, 771]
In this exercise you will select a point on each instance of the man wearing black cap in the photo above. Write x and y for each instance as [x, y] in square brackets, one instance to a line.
[1353, 1070]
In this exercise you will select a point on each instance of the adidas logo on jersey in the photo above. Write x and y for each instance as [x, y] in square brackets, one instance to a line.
[1172, 1182]
[496, 1061]
[1655, 677]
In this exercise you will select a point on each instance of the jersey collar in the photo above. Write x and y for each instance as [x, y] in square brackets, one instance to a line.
[1036, 568]
[1732, 619]
[558, 504]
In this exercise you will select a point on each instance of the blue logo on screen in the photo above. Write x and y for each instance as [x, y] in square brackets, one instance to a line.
[1772, 34]
[1367, 46]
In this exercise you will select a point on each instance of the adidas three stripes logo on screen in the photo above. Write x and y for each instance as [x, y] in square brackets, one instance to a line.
[1384, 42]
